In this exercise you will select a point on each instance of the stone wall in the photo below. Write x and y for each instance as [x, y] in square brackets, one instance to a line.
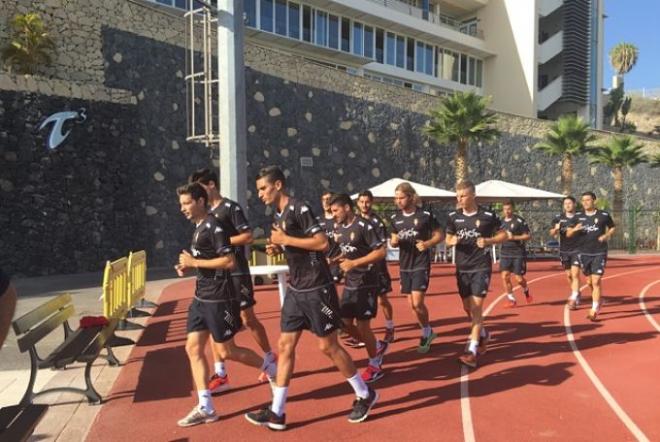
[110, 187]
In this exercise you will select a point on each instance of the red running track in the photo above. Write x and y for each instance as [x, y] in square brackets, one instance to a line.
[529, 386]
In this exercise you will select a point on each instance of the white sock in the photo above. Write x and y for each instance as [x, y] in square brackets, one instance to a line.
[220, 369]
[360, 388]
[511, 297]
[375, 361]
[594, 305]
[205, 400]
[483, 333]
[279, 400]
[473, 346]
[389, 324]
[575, 295]
[426, 331]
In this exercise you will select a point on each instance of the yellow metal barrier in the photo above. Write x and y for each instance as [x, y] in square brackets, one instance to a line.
[137, 277]
[115, 289]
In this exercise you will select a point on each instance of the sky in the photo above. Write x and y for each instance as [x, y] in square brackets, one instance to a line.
[636, 22]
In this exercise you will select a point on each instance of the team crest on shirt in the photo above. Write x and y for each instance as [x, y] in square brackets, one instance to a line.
[415, 221]
[352, 236]
[596, 221]
[478, 223]
[511, 225]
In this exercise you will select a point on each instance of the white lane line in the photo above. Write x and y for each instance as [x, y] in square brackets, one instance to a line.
[642, 305]
[614, 405]
[466, 412]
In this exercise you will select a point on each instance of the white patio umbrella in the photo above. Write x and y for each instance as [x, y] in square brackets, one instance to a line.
[498, 191]
[384, 192]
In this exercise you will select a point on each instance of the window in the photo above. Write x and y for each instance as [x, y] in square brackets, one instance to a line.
[450, 65]
[480, 67]
[438, 62]
[472, 71]
[250, 12]
[419, 67]
[358, 37]
[294, 21]
[280, 17]
[369, 42]
[400, 51]
[307, 23]
[390, 49]
[321, 28]
[463, 69]
[380, 46]
[267, 15]
[181, 4]
[428, 59]
[345, 35]
[410, 54]
[333, 32]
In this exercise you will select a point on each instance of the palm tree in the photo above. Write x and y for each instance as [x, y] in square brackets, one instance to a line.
[623, 57]
[30, 44]
[568, 137]
[620, 151]
[461, 119]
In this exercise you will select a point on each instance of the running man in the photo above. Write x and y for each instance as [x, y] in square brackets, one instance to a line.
[364, 203]
[310, 302]
[215, 311]
[513, 256]
[230, 215]
[594, 228]
[361, 248]
[415, 232]
[568, 249]
[472, 230]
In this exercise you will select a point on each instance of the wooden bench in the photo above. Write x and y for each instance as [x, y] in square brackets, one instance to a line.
[17, 423]
[82, 345]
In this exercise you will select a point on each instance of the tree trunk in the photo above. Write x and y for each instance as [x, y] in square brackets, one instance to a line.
[566, 174]
[461, 162]
[617, 203]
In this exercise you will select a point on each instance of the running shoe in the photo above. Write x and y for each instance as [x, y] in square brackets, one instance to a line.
[266, 418]
[425, 343]
[198, 416]
[361, 407]
[354, 343]
[469, 359]
[483, 344]
[372, 374]
[218, 384]
[389, 335]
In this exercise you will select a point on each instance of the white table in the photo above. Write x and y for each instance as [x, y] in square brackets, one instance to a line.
[280, 270]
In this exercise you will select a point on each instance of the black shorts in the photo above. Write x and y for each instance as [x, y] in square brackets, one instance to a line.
[243, 290]
[514, 264]
[316, 310]
[384, 279]
[415, 281]
[569, 259]
[221, 319]
[593, 264]
[359, 303]
[473, 284]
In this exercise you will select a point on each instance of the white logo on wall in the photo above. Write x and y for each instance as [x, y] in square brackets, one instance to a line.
[56, 136]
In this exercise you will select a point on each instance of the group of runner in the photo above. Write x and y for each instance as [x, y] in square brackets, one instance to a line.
[349, 244]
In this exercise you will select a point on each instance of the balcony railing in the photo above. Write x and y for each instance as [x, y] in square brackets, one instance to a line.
[439, 19]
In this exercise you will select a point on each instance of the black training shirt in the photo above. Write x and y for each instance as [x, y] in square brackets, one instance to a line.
[593, 226]
[484, 223]
[356, 240]
[517, 226]
[411, 228]
[231, 216]
[566, 244]
[307, 269]
[211, 241]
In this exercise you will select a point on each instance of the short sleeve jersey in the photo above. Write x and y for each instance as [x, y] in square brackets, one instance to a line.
[210, 241]
[517, 226]
[356, 240]
[566, 244]
[328, 225]
[378, 224]
[231, 216]
[4, 282]
[593, 226]
[469, 257]
[307, 269]
[411, 228]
